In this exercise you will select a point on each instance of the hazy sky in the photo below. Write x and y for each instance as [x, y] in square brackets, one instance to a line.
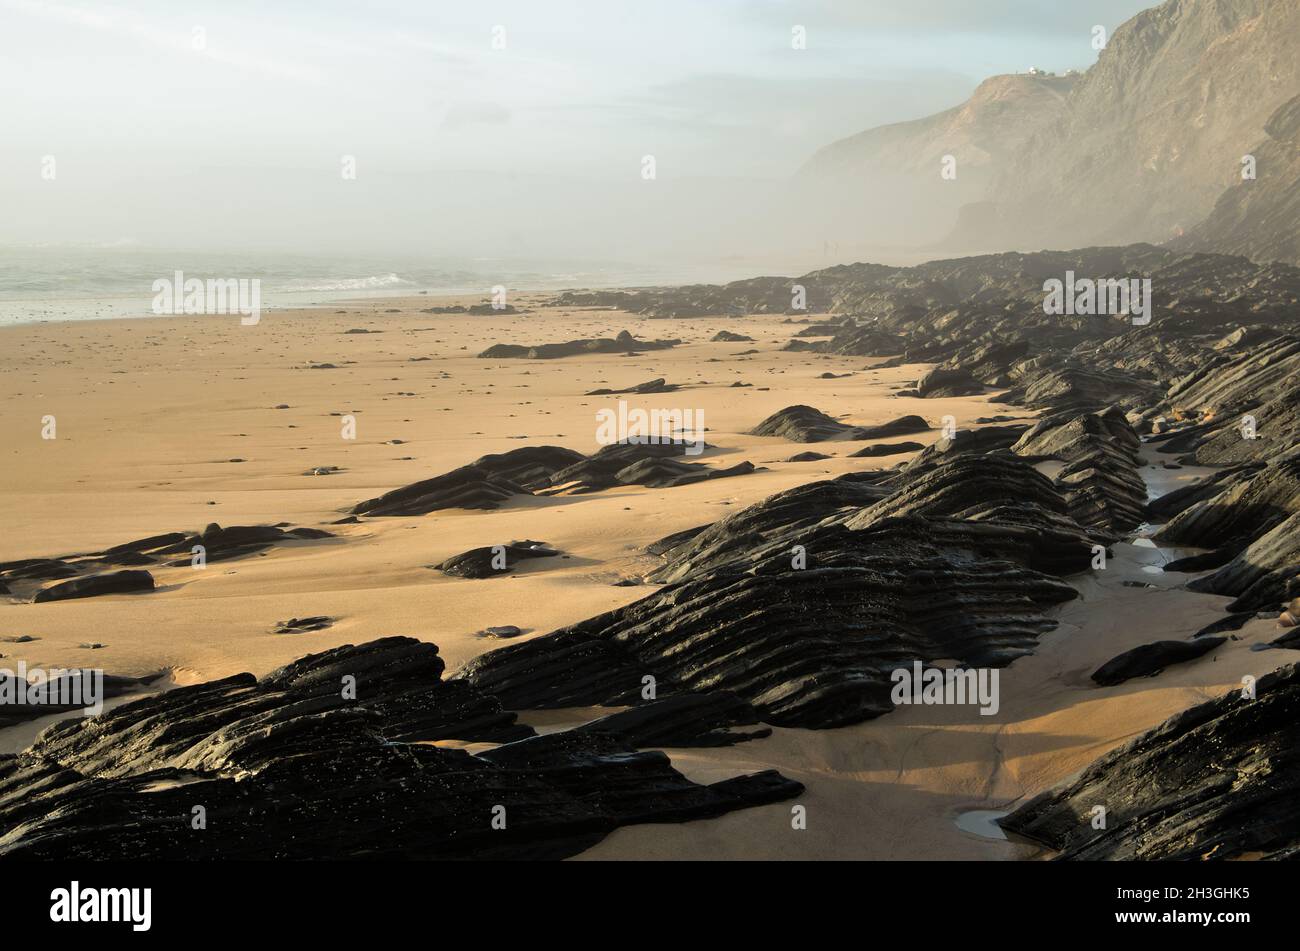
[237, 114]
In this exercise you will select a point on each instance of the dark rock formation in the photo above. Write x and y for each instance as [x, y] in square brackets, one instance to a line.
[623, 343]
[1237, 506]
[886, 449]
[1266, 572]
[290, 767]
[942, 382]
[726, 336]
[483, 484]
[803, 604]
[24, 576]
[301, 625]
[804, 424]
[1217, 781]
[1147, 660]
[903, 426]
[1100, 482]
[481, 562]
[650, 386]
[61, 685]
[90, 586]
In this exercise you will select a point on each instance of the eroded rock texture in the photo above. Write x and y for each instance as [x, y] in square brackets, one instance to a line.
[489, 482]
[1217, 781]
[1100, 481]
[623, 343]
[803, 604]
[291, 767]
[96, 573]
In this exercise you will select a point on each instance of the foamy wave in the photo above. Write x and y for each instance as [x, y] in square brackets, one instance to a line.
[373, 282]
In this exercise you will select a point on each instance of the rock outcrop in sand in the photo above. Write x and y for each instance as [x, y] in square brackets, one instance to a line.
[803, 604]
[91, 574]
[623, 343]
[291, 767]
[492, 480]
[1217, 781]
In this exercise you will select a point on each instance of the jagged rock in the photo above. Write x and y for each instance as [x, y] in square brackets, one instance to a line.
[1147, 660]
[1237, 506]
[986, 439]
[808, 457]
[268, 760]
[650, 386]
[61, 686]
[90, 586]
[810, 647]
[803, 424]
[483, 484]
[1265, 573]
[1216, 781]
[886, 449]
[1100, 482]
[664, 473]
[481, 562]
[1262, 383]
[686, 720]
[301, 625]
[728, 337]
[803, 604]
[945, 382]
[1171, 504]
[623, 343]
[903, 426]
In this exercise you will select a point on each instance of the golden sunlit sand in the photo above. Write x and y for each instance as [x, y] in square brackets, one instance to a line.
[167, 424]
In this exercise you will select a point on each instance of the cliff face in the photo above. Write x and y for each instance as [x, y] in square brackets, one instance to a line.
[889, 178]
[983, 132]
[1138, 148]
[1259, 218]
[1155, 131]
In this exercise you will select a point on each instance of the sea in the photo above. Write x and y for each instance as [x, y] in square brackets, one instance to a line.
[57, 283]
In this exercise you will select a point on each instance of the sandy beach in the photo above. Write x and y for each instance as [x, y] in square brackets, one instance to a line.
[168, 424]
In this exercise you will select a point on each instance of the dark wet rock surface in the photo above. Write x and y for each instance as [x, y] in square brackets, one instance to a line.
[1147, 660]
[61, 686]
[1100, 482]
[292, 767]
[803, 604]
[1217, 781]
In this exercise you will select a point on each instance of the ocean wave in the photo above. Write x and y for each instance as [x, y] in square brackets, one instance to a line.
[373, 282]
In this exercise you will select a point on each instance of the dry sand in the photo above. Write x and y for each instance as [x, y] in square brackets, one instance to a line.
[151, 412]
